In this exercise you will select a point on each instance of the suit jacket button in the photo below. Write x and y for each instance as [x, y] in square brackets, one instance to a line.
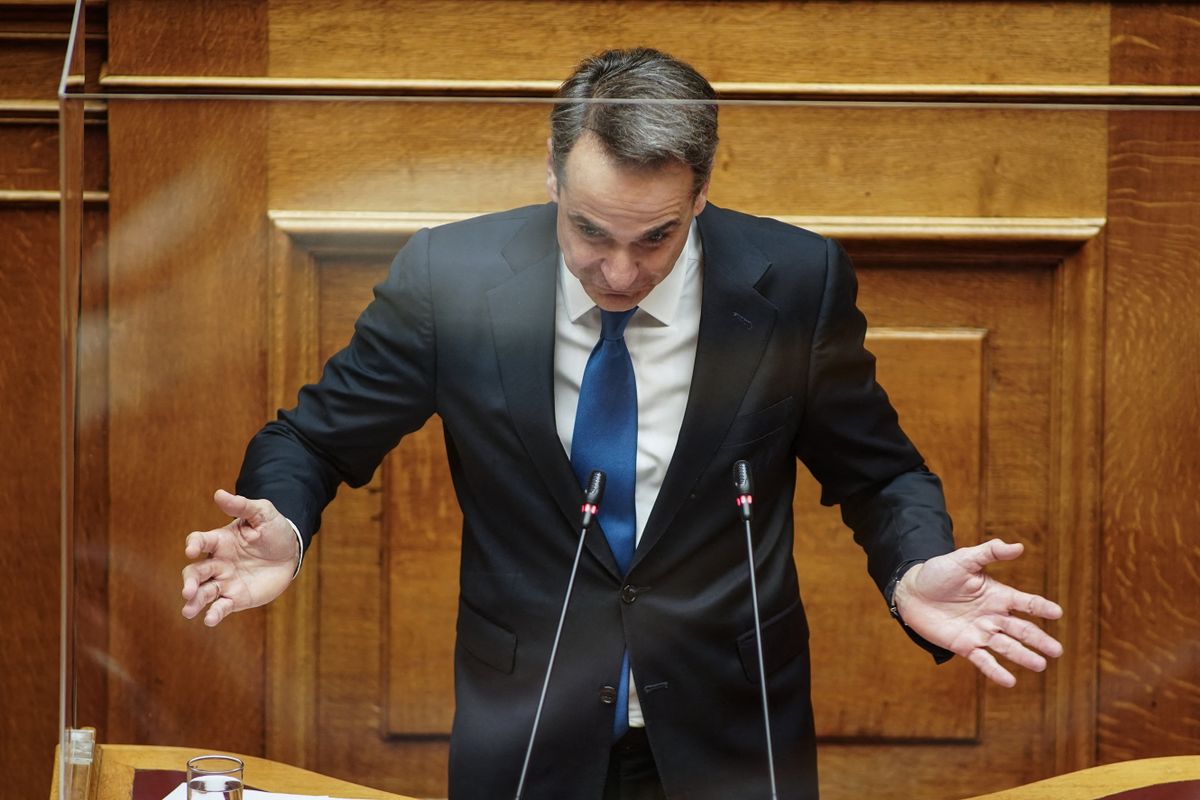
[608, 695]
[629, 593]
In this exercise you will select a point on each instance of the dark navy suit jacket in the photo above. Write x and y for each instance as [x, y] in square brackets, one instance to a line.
[463, 327]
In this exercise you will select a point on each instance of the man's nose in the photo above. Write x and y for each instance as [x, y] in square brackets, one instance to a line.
[620, 271]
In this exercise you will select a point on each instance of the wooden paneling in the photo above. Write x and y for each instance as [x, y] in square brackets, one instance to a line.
[756, 41]
[423, 523]
[450, 156]
[187, 317]
[1149, 702]
[29, 480]
[359, 616]
[188, 37]
[1012, 744]
[29, 151]
[935, 378]
[32, 43]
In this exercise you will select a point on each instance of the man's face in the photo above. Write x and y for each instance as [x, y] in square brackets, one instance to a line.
[621, 228]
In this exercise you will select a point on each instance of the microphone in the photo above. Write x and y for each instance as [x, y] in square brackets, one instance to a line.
[592, 495]
[744, 486]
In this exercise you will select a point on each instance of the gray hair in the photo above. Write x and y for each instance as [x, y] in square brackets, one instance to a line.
[638, 134]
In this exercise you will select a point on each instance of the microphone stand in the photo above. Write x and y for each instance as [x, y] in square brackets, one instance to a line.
[742, 482]
[591, 505]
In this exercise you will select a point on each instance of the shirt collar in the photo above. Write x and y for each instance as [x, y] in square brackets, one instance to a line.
[663, 301]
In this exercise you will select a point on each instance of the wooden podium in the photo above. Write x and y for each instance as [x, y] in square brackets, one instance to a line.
[116, 765]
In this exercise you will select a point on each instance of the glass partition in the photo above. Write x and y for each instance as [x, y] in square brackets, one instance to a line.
[223, 237]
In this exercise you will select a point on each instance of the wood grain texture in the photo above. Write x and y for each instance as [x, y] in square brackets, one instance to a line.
[358, 613]
[1150, 634]
[1013, 740]
[187, 317]
[422, 587]
[1155, 43]
[1149, 701]
[188, 37]
[1072, 549]
[33, 43]
[935, 378]
[1102, 782]
[292, 659]
[757, 41]
[29, 155]
[930, 162]
[29, 481]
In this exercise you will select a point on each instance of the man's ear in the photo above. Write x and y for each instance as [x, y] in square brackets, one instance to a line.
[551, 176]
[701, 199]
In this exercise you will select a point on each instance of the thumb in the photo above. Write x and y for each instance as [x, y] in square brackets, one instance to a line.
[992, 551]
[237, 506]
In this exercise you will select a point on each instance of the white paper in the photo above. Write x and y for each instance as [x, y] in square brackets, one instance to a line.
[180, 793]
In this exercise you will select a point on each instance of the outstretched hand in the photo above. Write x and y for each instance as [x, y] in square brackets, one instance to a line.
[247, 563]
[950, 601]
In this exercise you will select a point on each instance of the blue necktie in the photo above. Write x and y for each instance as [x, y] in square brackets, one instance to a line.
[605, 438]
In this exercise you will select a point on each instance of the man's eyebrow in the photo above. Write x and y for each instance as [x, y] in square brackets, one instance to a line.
[582, 221]
[661, 229]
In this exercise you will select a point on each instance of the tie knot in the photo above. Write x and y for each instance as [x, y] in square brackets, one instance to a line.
[612, 323]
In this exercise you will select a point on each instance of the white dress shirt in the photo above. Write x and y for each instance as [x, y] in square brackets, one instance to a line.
[661, 338]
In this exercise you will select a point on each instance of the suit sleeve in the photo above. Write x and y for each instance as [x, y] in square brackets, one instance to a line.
[851, 440]
[381, 386]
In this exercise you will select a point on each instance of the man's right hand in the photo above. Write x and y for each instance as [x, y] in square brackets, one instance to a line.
[245, 564]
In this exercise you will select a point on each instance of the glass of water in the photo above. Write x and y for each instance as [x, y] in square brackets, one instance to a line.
[214, 778]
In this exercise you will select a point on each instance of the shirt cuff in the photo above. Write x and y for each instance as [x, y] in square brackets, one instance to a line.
[299, 544]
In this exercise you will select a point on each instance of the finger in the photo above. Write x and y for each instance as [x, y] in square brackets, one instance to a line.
[1004, 645]
[253, 511]
[990, 552]
[1027, 633]
[1034, 605]
[986, 663]
[196, 574]
[199, 543]
[221, 608]
[207, 593]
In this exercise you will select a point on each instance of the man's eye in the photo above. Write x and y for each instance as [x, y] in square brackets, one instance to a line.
[655, 238]
[589, 231]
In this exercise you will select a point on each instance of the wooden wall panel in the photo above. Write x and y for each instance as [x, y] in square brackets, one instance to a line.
[363, 608]
[32, 42]
[1012, 745]
[935, 379]
[1149, 702]
[29, 481]
[29, 151]
[187, 361]
[483, 156]
[757, 41]
[188, 37]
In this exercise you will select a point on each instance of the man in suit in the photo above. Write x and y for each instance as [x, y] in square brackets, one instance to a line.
[627, 326]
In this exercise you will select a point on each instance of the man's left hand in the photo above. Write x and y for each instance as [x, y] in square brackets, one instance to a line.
[950, 601]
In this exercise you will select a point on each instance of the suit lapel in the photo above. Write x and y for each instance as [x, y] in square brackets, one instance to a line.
[735, 326]
[522, 316]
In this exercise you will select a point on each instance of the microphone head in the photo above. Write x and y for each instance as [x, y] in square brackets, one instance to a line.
[741, 478]
[594, 492]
